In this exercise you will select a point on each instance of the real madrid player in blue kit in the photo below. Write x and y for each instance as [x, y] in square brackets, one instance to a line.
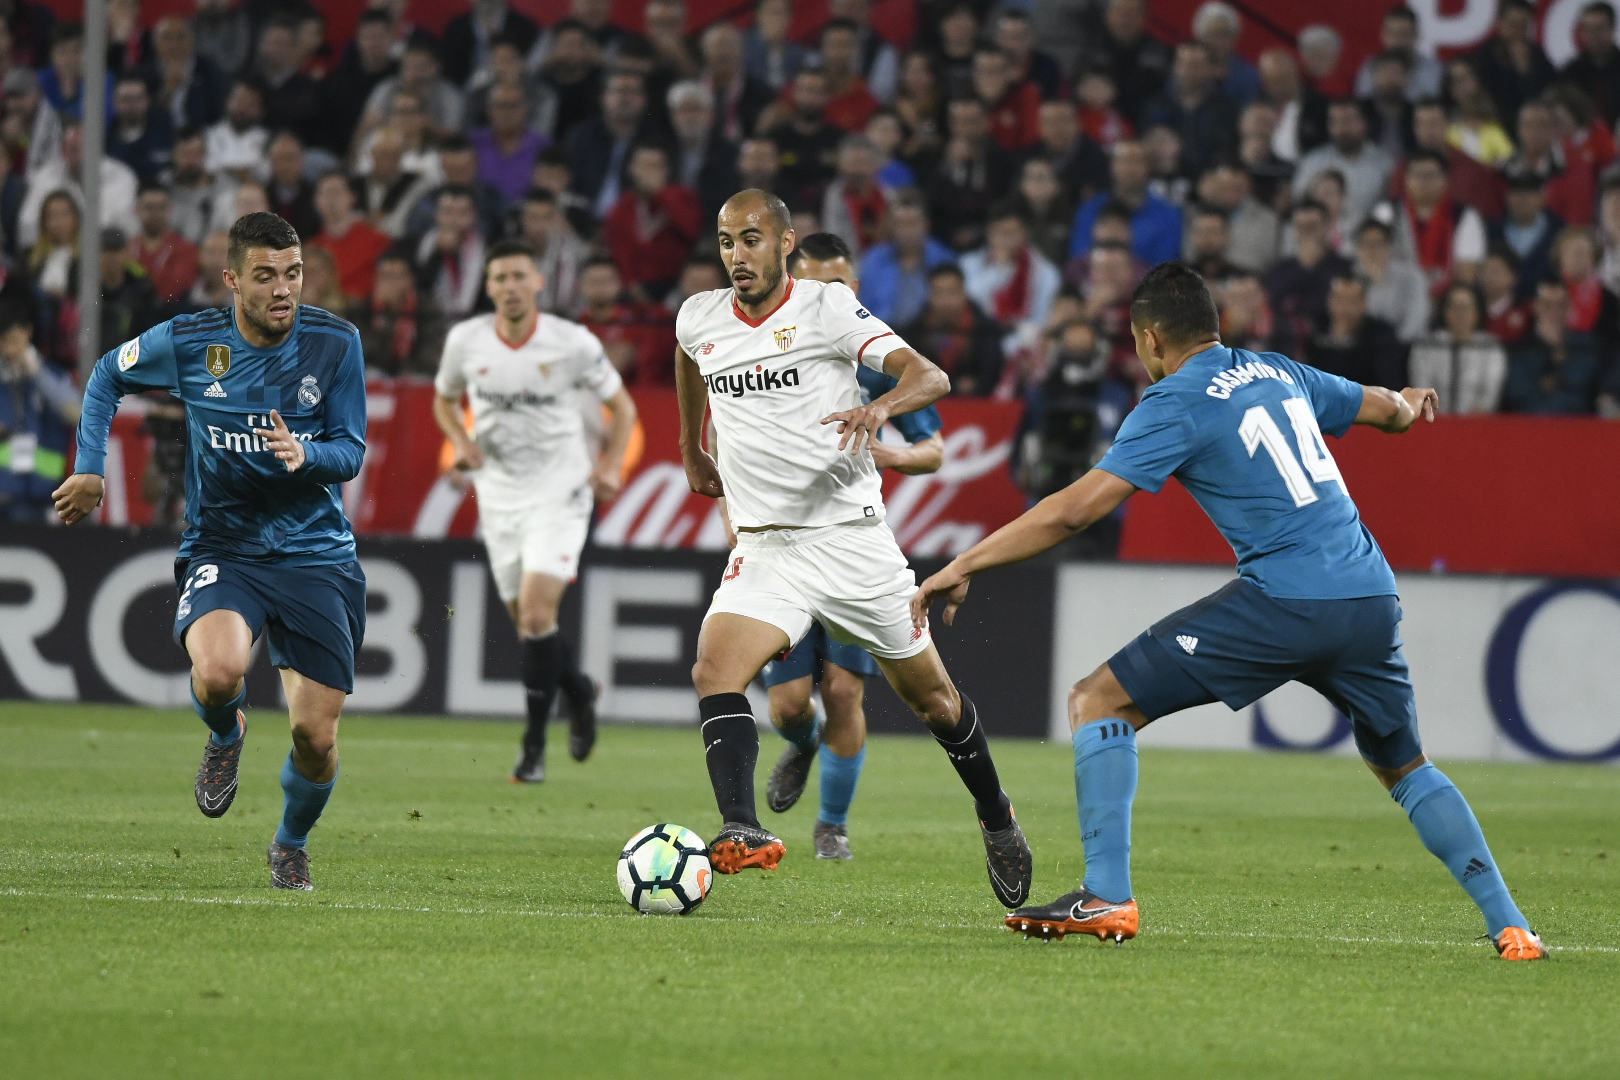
[1314, 602]
[275, 400]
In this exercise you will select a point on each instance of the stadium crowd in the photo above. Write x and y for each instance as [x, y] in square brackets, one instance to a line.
[1391, 218]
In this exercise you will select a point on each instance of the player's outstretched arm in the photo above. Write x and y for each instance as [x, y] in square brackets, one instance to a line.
[702, 471]
[608, 475]
[1045, 525]
[915, 459]
[919, 382]
[1395, 413]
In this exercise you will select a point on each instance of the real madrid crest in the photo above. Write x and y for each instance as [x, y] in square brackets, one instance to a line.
[784, 337]
[218, 361]
[309, 392]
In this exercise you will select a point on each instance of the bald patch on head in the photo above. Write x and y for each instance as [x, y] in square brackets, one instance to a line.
[754, 202]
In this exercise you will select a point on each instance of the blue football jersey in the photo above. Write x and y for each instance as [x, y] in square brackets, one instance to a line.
[1243, 433]
[914, 427]
[241, 502]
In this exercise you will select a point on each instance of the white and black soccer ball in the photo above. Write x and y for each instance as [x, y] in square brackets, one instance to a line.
[664, 870]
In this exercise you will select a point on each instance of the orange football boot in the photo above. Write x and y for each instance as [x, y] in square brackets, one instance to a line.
[1517, 943]
[1070, 915]
[740, 846]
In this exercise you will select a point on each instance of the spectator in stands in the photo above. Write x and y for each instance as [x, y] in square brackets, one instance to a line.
[551, 174]
[759, 164]
[1155, 224]
[168, 258]
[1320, 50]
[1216, 25]
[599, 148]
[639, 339]
[1609, 235]
[1474, 128]
[807, 143]
[1246, 320]
[292, 98]
[920, 104]
[1195, 107]
[506, 68]
[30, 129]
[1298, 285]
[894, 274]
[849, 103]
[1506, 318]
[118, 187]
[559, 251]
[1253, 231]
[1365, 166]
[458, 164]
[1080, 163]
[236, 144]
[1553, 369]
[1111, 275]
[1388, 111]
[322, 287]
[738, 96]
[291, 194]
[190, 87]
[1328, 189]
[1469, 182]
[1207, 240]
[1047, 213]
[653, 226]
[1528, 230]
[470, 37]
[507, 149]
[346, 90]
[973, 171]
[958, 29]
[41, 404]
[1139, 62]
[419, 74]
[956, 335]
[450, 256]
[129, 302]
[1445, 239]
[1396, 290]
[1399, 34]
[1353, 344]
[52, 256]
[387, 192]
[400, 334]
[675, 55]
[1596, 67]
[421, 152]
[353, 242]
[879, 63]
[572, 72]
[856, 206]
[62, 80]
[705, 160]
[702, 273]
[223, 33]
[1459, 358]
[210, 290]
[1015, 36]
[1270, 176]
[1013, 107]
[1511, 64]
[139, 135]
[886, 134]
[1009, 280]
[193, 191]
[1592, 308]
[248, 197]
[1301, 111]
[1567, 181]
[1167, 176]
[769, 55]
[1099, 116]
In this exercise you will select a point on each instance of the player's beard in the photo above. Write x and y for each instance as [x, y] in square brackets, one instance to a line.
[764, 281]
[259, 319]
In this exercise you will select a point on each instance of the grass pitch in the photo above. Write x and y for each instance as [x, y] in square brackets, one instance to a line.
[1292, 924]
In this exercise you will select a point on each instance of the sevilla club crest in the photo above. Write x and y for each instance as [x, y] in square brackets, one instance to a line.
[784, 338]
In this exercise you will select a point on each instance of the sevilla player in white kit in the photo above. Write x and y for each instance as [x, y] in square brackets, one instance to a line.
[774, 359]
[534, 470]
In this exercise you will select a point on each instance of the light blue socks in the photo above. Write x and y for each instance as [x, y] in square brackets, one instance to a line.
[304, 803]
[221, 719]
[806, 735]
[1104, 786]
[839, 775]
[1450, 831]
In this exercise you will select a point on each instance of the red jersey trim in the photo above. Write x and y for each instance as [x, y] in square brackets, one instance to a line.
[516, 345]
[757, 323]
[862, 350]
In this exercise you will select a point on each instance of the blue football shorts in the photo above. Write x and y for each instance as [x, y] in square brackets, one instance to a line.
[1238, 644]
[316, 615]
[817, 645]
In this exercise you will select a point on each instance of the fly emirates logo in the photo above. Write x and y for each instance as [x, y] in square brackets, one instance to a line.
[245, 442]
[761, 378]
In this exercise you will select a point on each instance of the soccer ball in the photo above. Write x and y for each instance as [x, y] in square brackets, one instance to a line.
[664, 870]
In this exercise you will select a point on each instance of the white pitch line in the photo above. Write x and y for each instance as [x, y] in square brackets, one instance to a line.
[535, 913]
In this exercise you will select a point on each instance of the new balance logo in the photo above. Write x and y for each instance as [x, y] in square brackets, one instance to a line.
[1187, 642]
[1474, 869]
[214, 391]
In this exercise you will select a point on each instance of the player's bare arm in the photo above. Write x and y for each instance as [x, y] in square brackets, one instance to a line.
[1048, 523]
[287, 447]
[1396, 413]
[702, 471]
[920, 383]
[913, 459]
[607, 476]
[447, 414]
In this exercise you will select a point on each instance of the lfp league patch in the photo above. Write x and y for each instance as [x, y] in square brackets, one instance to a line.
[128, 353]
[309, 392]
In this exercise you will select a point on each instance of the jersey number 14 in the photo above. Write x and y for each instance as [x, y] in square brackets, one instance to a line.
[1315, 465]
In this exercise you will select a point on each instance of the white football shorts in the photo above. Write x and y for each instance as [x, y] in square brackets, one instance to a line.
[853, 579]
[540, 538]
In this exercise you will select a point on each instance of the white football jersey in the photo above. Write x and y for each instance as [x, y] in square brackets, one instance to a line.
[770, 382]
[525, 404]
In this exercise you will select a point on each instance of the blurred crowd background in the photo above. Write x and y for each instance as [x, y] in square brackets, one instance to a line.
[1389, 217]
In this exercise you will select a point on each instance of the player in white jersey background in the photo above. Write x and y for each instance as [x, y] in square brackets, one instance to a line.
[535, 471]
[775, 359]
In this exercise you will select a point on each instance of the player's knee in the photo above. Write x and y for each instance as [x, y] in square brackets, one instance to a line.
[217, 679]
[841, 696]
[709, 676]
[1087, 702]
[536, 623]
[792, 712]
[939, 709]
[315, 742]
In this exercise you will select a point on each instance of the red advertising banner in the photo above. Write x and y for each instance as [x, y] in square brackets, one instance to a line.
[1486, 494]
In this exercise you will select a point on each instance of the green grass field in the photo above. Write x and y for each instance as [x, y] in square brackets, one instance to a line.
[464, 927]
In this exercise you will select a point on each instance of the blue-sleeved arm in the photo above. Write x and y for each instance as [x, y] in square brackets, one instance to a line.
[1155, 440]
[914, 427]
[1335, 400]
[335, 456]
[143, 363]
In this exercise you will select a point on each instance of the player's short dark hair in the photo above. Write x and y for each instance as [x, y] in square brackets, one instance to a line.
[505, 249]
[775, 208]
[1174, 300]
[259, 230]
[821, 246]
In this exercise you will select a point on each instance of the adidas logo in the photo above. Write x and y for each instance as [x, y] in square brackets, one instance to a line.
[1187, 642]
[1474, 869]
[219, 391]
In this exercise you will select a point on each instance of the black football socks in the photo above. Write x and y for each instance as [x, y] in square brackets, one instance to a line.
[969, 752]
[731, 748]
[543, 662]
